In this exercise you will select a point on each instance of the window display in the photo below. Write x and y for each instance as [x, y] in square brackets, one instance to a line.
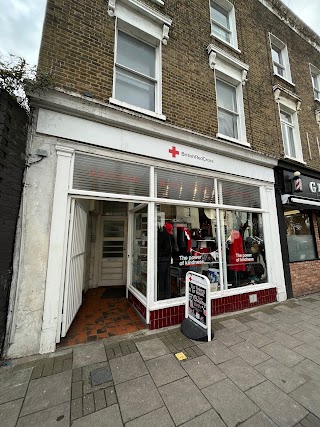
[300, 236]
[140, 250]
[188, 240]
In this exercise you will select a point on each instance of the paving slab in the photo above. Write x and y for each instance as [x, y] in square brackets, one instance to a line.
[286, 379]
[230, 402]
[241, 373]
[289, 328]
[47, 392]
[309, 338]
[308, 370]
[165, 369]
[203, 371]
[285, 339]
[282, 354]
[127, 368]
[14, 384]
[208, 419]
[9, 413]
[249, 353]
[309, 351]
[216, 351]
[184, 400]
[308, 395]
[259, 420]
[89, 354]
[263, 328]
[263, 317]
[51, 417]
[228, 337]
[107, 417]
[281, 408]
[159, 417]
[234, 325]
[256, 338]
[152, 349]
[137, 397]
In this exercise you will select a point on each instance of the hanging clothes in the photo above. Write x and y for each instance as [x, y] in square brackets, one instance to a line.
[236, 251]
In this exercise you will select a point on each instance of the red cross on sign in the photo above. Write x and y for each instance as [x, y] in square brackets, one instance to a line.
[174, 152]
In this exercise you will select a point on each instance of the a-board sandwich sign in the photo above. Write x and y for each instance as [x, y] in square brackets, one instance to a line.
[198, 302]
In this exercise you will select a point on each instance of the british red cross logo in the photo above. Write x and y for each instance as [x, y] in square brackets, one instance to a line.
[174, 152]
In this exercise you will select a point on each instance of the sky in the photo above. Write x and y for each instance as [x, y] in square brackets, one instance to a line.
[21, 24]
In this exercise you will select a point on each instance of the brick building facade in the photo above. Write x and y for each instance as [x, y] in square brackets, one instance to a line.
[168, 119]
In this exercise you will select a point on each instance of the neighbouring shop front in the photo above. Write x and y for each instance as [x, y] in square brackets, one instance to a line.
[298, 203]
[140, 211]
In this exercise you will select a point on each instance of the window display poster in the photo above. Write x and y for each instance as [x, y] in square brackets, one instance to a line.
[198, 302]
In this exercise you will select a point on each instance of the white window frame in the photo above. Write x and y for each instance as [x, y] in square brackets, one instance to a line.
[315, 76]
[149, 26]
[290, 107]
[278, 44]
[232, 30]
[231, 71]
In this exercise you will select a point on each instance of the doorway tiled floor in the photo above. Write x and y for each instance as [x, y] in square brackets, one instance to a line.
[100, 318]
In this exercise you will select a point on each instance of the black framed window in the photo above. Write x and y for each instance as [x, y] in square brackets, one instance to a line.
[300, 235]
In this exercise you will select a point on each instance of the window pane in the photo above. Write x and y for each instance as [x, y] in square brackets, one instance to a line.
[140, 250]
[288, 140]
[135, 90]
[315, 81]
[244, 252]
[300, 240]
[285, 116]
[173, 185]
[226, 96]
[186, 240]
[220, 32]
[227, 124]
[220, 15]
[237, 194]
[135, 54]
[276, 55]
[113, 229]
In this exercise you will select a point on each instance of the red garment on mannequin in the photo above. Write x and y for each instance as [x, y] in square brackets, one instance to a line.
[236, 247]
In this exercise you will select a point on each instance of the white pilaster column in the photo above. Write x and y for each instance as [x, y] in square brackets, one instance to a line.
[58, 233]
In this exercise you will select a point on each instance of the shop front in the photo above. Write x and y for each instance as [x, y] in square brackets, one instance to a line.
[140, 210]
[298, 203]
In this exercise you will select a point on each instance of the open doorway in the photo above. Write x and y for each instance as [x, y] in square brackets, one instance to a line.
[95, 303]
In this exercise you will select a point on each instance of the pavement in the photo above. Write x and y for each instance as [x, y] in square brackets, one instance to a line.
[261, 369]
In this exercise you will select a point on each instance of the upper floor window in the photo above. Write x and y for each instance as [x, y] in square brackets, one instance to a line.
[230, 77]
[140, 32]
[280, 58]
[315, 76]
[228, 116]
[136, 81]
[223, 21]
[290, 130]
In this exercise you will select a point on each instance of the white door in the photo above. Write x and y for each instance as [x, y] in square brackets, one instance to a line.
[75, 265]
[113, 251]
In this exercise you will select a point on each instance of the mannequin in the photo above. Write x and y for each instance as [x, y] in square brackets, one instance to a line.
[166, 245]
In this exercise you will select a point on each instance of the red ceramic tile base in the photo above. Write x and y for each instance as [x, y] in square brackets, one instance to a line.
[174, 315]
[100, 318]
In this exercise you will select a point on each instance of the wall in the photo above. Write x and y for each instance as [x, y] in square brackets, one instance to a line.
[78, 45]
[13, 137]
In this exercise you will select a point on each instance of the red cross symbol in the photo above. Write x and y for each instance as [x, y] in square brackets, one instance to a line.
[174, 152]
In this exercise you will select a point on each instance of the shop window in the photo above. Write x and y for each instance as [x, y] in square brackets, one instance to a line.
[104, 175]
[191, 239]
[280, 58]
[140, 250]
[237, 194]
[300, 235]
[178, 186]
[315, 77]
[223, 21]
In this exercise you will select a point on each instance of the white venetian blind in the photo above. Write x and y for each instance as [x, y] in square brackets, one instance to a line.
[173, 185]
[110, 176]
[236, 194]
